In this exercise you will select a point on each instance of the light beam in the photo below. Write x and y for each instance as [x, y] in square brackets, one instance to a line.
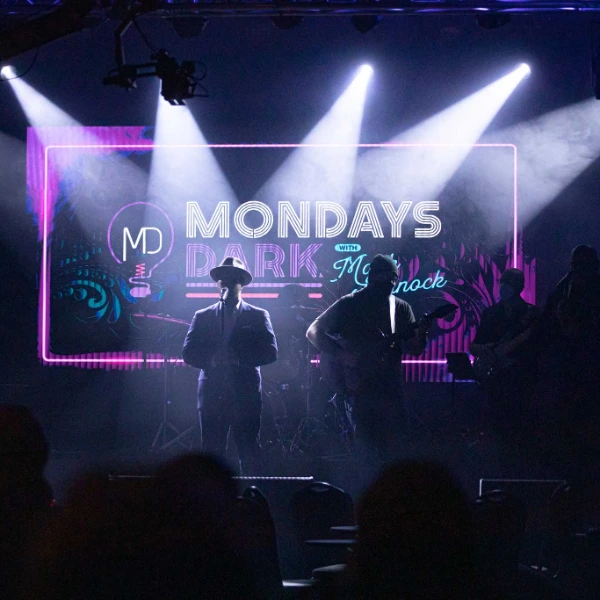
[184, 168]
[554, 150]
[421, 173]
[322, 168]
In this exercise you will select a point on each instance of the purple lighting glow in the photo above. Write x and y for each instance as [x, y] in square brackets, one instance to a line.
[49, 160]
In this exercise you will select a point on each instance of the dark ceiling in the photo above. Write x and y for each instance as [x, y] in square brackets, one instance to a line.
[165, 8]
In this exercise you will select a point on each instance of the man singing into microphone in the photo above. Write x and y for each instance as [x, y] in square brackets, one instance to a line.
[228, 342]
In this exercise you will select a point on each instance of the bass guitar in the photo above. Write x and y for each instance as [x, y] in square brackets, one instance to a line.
[488, 366]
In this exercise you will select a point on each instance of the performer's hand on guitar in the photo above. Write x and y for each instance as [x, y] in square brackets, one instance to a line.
[416, 344]
[427, 320]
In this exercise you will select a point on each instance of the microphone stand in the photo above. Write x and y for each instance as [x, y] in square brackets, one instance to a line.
[181, 436]
[222, 299]
[161, 438]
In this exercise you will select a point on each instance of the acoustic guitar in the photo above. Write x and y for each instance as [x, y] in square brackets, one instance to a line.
[344, 377]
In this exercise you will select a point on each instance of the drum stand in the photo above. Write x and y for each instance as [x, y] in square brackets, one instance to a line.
[302, 440]
[342, 406]
[311, 425]
[276, 441]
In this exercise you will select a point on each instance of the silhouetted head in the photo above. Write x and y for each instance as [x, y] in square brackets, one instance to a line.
[383, 274]
[584, 259]
[512, 283]
[415, 534]
[176, 535]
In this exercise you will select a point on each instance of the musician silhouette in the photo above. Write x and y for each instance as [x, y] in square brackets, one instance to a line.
[570, 335]
[229, 341]
[503, 341]
[356, 332]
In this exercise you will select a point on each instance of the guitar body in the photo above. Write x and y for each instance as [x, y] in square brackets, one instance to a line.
[336, 375]
[380, 358]
[488, 367]
[373, 360]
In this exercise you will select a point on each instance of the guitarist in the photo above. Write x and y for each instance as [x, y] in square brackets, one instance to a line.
[511, 388]
[355, 331]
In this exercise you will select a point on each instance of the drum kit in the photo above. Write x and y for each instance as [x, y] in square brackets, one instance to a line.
[300, 415]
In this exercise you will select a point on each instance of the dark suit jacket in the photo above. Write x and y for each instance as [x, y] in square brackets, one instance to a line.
[252, 342]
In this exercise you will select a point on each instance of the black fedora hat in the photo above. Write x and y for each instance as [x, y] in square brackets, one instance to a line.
[231, 266]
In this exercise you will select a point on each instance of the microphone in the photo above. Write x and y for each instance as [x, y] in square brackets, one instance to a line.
[224, 294]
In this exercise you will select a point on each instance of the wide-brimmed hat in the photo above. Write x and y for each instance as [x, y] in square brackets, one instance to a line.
[231, 266]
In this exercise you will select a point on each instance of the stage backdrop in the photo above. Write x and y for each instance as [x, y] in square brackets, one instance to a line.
[125, 250]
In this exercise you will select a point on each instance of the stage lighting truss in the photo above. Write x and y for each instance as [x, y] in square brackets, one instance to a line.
[179, 81]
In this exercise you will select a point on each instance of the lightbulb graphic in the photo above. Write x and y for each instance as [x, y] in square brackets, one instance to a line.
[140, 236]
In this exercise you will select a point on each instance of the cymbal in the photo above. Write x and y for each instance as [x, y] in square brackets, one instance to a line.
[167, 319]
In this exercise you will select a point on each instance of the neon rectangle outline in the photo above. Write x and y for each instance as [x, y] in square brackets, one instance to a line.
[150, 147]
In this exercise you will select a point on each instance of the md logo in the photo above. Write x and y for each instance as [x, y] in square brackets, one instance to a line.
[140, 237]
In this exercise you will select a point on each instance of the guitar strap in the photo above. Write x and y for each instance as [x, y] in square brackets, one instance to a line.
[393, 313]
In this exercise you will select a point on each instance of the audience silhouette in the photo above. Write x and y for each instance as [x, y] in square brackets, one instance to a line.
[415, 536]
[172, 536]
[25, 496]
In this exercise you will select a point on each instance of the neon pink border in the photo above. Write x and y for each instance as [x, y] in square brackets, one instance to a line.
[101, 358]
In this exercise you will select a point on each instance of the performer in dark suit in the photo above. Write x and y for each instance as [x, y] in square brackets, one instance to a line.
[229, 341]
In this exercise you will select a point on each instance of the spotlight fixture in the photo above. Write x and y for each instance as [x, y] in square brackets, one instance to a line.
[364, 23]
[179, 81]
[287, 21]
[524, 69]
[365, 70]
[492, 20]
[7, 72]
